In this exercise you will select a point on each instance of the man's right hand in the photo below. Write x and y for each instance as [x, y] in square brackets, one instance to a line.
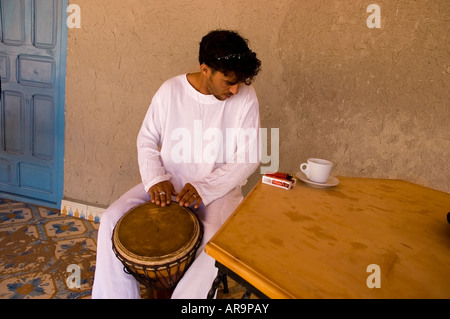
[161, 193]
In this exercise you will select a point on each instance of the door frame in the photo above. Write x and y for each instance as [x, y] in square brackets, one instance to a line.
[61, 120]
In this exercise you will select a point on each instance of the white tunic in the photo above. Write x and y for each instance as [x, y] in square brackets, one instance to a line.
[209, 143]
[186, 137]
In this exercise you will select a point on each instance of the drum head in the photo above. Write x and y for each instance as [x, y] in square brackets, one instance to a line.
[151, 235]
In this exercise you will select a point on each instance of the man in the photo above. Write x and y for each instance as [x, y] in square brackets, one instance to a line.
[198, 144]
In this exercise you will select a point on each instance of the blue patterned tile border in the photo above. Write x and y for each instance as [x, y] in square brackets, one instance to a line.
[82, 211]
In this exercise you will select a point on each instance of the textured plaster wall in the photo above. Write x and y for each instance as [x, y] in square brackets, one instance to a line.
[374, 101]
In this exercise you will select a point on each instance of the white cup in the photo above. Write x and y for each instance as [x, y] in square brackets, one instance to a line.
[317, 169]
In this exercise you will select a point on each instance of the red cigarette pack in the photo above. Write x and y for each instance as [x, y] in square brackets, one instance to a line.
[280, 180]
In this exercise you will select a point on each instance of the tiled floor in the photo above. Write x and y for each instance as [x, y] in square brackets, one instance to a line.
[37, 245]
[42, 251]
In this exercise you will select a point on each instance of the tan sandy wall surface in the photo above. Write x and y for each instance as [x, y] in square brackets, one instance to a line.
[373, 100]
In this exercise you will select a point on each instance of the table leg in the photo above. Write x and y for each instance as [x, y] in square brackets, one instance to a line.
[222, 274]
[221, 277]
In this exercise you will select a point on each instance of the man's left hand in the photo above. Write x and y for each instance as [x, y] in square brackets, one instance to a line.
[189, 195]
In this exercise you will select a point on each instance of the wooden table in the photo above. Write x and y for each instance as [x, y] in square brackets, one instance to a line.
[318, 243]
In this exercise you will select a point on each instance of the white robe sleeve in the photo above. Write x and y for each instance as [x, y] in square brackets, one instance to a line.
[148, 145]
[243, 162]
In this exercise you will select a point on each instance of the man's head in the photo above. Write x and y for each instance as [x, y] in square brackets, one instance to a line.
[227, 52]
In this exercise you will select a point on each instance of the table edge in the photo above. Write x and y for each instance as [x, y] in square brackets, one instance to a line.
[267, 287]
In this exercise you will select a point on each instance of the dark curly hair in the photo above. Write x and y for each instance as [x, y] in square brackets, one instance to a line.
[226, 51]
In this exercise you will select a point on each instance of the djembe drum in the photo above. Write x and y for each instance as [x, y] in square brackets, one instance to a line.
[157, 245]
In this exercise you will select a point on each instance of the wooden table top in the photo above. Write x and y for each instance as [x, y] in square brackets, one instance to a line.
[317, 243]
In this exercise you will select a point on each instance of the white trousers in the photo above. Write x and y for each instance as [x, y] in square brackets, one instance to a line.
[110, 280]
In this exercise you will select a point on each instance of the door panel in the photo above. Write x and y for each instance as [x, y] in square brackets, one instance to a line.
[14, 122]
[43, 111]
[13, 22]
[33, 52]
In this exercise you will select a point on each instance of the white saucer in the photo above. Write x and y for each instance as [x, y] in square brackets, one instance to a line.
[332, 181]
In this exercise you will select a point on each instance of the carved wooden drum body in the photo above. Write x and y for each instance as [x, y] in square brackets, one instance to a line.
[157, 245]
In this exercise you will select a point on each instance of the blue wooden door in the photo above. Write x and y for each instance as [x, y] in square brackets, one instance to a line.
[33, 52]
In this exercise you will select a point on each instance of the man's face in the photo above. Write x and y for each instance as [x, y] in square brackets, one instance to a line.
[222, 86]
